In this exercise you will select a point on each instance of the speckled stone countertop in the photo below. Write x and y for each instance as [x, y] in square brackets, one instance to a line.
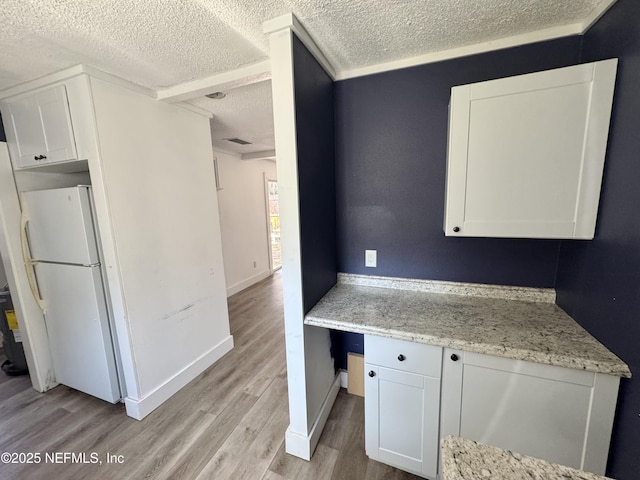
[533, 329]
[468, 460]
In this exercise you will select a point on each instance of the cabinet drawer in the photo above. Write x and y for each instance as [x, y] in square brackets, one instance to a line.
[403, 355]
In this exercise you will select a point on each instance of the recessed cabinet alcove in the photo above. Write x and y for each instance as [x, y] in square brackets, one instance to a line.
[526, 153]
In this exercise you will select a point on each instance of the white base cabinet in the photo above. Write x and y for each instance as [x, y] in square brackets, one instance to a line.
[402, 404]
[561, 415]
[416, 394]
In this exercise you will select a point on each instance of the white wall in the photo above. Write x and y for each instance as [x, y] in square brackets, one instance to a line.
[243, 219]
[161, 224]
[3, 274]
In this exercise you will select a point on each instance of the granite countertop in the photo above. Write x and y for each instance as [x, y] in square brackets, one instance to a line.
[468, 460]
[521, 324]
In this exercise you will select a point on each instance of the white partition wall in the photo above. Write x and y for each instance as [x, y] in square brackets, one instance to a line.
[157, 186]
[312, 382]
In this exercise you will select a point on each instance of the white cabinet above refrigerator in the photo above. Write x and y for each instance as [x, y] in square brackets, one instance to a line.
[39, 129]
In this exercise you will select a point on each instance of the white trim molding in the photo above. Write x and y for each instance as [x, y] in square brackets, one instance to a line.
[247, 282]
[289, 21]
[542, 35]
[263, 155]
[467, 50]
[243, 76]
[303, 446]
[140, 408]
[73, 72]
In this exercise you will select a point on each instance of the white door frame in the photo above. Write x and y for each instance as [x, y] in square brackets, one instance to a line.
[268, 179]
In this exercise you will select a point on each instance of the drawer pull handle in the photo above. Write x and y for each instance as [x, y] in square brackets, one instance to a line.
[402, 358]
[454, 357]
[372, 373]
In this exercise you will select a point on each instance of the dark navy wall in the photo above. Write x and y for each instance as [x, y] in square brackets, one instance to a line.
[316, 175]
[599, 281]
[391, 141]
[391, 144]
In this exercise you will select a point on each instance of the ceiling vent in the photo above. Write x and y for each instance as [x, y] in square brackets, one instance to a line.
[239, 141]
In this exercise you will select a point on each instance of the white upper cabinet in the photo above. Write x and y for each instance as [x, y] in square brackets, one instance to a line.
[39, 129]
[526, 153]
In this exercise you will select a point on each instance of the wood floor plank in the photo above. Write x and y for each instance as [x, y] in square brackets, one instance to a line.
[229, 422]
[337, 429]
[352, 463]
[285, 465]
[190, 465]
[325, 465]
[262, 412]
[269, 475]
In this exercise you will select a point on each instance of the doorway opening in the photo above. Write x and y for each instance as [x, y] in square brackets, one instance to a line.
[273, 220]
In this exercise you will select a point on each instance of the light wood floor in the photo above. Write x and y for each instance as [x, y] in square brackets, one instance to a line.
[229, 423]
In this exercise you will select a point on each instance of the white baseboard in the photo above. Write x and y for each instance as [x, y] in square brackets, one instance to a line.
[246, 283]
[140, 408]
[303, 446]
[344, 379]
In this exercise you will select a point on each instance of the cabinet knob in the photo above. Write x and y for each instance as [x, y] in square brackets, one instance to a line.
[456, 229]
[39, 157]
[401, 357]
[454, 357]
[372, 373]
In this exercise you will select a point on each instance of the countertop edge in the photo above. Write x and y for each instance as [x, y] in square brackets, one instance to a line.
[616, 369]
[464, 459]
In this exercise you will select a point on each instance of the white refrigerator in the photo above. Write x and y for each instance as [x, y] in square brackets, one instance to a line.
[60, 242]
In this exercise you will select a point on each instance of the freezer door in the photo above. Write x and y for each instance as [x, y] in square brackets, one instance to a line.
[61, 226]
[78, 329]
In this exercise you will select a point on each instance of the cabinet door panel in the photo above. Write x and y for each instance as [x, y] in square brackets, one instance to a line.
[26, 130]
[56, 122]
[548, 166]
[40, 131]
[535, 416]
[401, 403]
[526, 153]
[401, 419]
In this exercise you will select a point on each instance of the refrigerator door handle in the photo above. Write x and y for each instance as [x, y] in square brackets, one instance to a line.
[28, 261]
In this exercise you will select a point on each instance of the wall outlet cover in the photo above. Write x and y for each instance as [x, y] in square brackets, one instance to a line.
[370, 258]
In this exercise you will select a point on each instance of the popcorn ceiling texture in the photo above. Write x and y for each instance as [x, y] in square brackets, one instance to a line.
[159, 43]
[249, 106]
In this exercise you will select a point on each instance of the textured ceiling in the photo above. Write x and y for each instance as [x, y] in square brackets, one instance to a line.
[249, 107]
[160, 43]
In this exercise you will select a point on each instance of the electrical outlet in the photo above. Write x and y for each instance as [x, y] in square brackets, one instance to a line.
[370, 258]
[255, 264]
